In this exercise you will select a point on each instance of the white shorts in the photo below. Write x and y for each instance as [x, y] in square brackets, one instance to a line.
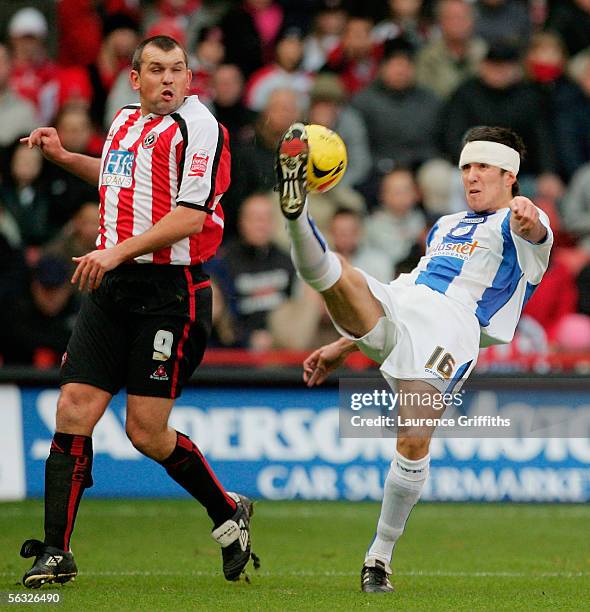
[423, 336]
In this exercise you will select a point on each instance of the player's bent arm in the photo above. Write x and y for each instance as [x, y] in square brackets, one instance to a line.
[532, 237]
[85, 167]
[176, 225]
[536, 234]
[346, 346]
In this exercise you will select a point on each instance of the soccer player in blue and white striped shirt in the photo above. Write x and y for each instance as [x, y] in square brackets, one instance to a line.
[424, 328]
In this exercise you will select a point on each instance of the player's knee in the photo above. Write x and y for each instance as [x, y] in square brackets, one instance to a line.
[78, 410]
[347, 276]
[413, 447]
[343, 262]
[142, 438]
[137, 436]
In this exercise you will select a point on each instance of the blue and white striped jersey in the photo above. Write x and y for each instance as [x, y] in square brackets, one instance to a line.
[476, 260]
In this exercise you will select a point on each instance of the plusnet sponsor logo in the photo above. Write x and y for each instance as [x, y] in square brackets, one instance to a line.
[460, 250]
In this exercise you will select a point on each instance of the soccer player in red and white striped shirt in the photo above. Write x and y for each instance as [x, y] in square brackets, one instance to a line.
[145, 321]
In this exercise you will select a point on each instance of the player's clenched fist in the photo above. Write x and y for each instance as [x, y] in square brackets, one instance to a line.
[524, 212]
[525, 219]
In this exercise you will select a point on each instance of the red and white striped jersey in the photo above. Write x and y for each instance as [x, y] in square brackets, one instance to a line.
[151, 164]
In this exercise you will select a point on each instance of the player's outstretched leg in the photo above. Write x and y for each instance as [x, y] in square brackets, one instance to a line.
[316, 264]
[291, 170]
[344, 288]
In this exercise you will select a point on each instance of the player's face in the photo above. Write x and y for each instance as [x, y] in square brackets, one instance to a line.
[486, 187]
[162, 81]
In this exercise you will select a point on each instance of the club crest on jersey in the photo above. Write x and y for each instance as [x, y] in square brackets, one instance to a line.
[150, 140]
[160, 373]
[461, 231]
[118, 169]
[199, 163]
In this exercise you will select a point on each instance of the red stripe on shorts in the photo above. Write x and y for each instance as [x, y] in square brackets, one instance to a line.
[185, 331]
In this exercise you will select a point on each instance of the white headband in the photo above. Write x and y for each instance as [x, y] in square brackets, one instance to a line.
[492, 153]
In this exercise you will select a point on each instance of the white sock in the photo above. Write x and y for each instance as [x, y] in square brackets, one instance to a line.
[402, 489]
[319, 267]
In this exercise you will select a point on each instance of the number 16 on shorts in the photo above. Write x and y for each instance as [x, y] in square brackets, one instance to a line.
[444, 362]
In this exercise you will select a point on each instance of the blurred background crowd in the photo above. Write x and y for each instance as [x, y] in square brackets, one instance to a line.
[399, 80]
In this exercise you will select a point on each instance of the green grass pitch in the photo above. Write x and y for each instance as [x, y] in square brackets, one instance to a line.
[157, 555]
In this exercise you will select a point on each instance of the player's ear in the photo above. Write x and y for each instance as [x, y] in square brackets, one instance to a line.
[189, 77]
[135, 79]
[509, 178]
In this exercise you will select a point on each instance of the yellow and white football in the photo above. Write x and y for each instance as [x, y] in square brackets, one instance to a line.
[327, 159]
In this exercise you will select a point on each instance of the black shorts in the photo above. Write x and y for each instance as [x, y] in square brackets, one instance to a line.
[145, 328]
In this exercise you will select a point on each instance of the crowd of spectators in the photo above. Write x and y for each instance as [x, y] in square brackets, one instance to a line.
[400, 80]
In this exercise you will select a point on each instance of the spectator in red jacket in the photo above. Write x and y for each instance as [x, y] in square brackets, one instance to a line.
[32, 70]
[356, 59]
[326, 31]
[556, 297]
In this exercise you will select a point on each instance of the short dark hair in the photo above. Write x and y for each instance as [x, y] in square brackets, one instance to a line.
[504, 136]
[394, 47]
[165, 43]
